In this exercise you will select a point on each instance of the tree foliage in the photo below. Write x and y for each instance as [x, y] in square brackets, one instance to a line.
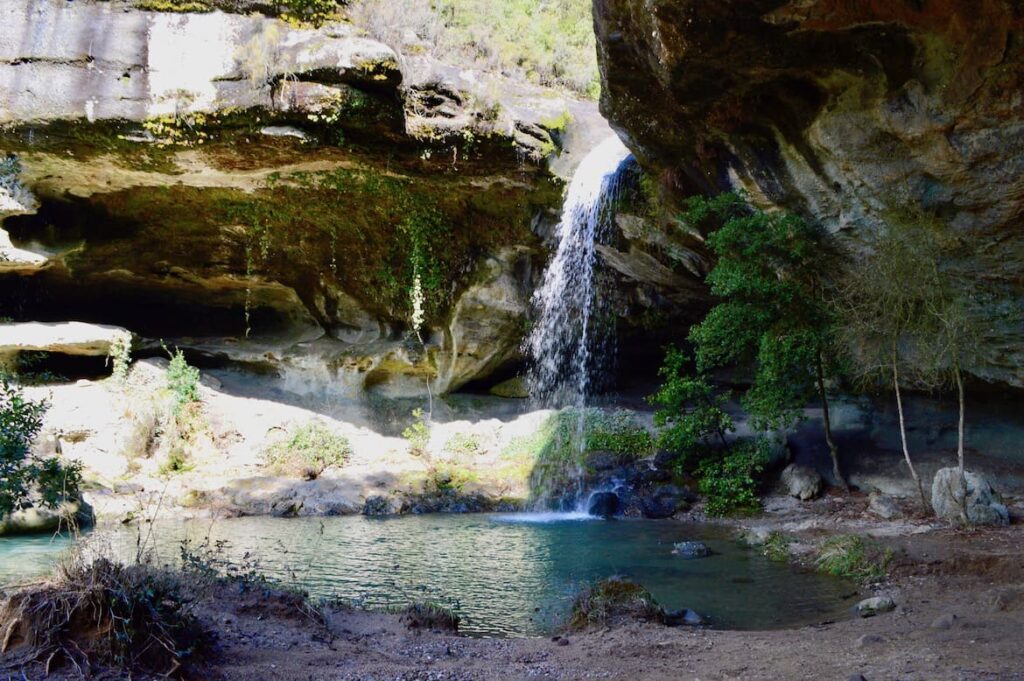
[773, 313]
[690, 417]
[27, 479]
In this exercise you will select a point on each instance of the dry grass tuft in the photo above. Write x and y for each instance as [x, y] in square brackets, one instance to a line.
[106, 614]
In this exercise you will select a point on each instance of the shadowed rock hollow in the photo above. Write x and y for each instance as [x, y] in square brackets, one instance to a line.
[853, 113]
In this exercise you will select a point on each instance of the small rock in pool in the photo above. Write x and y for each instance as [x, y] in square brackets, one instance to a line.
[691, 549]
[684, 616]
[874, 606]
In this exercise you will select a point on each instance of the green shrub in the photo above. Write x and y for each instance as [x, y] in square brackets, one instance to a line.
[691, 418]
[852, 557]
[776, 547]
[463, 444]
[182, 381]
[729, 482]
[24, 478]
[308, 451]
[611, 601]
[418, 434]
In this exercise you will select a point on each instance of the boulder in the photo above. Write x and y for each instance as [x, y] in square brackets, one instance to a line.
[883, 506]
[39, 519]
[68, 338]
[378, 505]
[684, 616]
[802, 482]
[691, 549]
[870, 607]
[662, 502]
[604, 504]
[980, 506]
[514, 388]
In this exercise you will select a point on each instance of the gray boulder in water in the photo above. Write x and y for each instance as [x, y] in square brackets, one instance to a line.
[691, 549]
[981, 504]
[802, 482]
[604, 504]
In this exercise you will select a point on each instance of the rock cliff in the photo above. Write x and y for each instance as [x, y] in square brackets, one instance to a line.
[264, 193]
[852, 113]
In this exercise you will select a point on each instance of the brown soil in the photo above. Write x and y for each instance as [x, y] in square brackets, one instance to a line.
[959, 615]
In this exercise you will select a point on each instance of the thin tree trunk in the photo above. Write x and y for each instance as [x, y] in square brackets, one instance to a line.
[827, 420]
[960, 439]
[903, 430]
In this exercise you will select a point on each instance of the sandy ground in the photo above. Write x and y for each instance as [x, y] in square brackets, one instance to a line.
[959, 615]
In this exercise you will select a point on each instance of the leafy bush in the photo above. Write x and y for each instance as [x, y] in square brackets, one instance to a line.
[776, 546]
[690, 416]
[417, 434]
[852, 557]
[308, 451]
[729, 483]
[612, 601]
[25, 478]
[183, 381]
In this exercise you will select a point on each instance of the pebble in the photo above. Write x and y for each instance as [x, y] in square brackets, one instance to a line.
[869, 640]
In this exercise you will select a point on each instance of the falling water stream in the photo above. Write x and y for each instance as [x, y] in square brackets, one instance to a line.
[571, 340]
[566, 342]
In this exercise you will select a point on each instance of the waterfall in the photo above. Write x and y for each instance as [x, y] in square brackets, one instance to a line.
[567, 341]
[571, 340]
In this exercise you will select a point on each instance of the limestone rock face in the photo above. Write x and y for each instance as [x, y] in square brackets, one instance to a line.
[981, 504]
[260, 193]
[848, 112]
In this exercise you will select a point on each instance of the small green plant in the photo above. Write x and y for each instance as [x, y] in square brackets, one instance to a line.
[464, 444]
[315, 12]
[776, 546]
[308, 451]
[120, 356]
[418, 434]
[183, 381]
[611, 601]
[446, 476]
[25, 478]
[729, 483]
[851, 557]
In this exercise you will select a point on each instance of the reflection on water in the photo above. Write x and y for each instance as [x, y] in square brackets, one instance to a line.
[502, 575]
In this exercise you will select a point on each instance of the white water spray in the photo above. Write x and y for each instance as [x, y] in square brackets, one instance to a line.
[566, 342]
